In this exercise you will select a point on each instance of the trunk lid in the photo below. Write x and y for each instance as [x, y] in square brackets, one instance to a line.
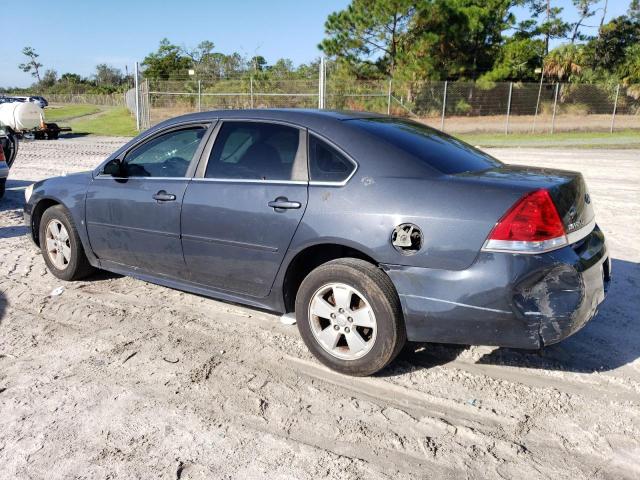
[567, 189]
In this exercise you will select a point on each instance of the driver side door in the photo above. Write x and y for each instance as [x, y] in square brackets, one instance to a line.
[133, 217]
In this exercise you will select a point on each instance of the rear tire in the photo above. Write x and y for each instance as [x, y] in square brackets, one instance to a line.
[349, 316]
[61, 246]
[3, 184]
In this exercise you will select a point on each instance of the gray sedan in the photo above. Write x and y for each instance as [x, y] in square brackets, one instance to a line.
[374, 230]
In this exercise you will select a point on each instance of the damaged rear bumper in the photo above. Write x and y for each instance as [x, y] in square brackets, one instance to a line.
[508, 300]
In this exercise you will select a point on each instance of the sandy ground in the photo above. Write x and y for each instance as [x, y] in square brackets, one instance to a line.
[117, 378]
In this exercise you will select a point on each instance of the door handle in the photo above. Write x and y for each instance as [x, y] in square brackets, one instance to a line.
[283, 203]
[163, 196]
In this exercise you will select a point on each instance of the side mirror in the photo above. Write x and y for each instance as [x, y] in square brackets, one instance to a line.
[113, 168]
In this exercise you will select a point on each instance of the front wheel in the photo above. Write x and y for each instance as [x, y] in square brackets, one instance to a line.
[349, 316]
[61, 246]
[11, 148]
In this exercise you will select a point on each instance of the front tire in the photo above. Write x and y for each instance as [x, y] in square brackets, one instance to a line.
[349, 316]
[11, 148]
[61, 246]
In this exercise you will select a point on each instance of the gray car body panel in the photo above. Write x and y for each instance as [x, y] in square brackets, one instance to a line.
[449, 291]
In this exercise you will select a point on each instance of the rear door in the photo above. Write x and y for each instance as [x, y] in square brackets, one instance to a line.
[242, 209]
[133, 218]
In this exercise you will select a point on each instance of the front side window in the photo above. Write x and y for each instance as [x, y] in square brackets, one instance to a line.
[256, 151]
[167, 155]
[326, 164]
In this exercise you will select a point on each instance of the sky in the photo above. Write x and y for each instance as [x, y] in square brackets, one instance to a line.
[75, 36]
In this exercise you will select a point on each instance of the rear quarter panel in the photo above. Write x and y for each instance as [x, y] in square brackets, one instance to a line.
[455, 220]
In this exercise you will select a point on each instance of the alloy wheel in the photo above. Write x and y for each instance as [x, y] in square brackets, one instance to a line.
[58, 244]
[342, 321]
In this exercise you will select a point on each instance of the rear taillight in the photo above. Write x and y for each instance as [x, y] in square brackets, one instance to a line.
[532, 225]
[2, 157]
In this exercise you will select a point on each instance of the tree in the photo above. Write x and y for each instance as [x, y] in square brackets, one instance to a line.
[257, 63]
[32, 65]
[282, 68]
[607, 51]
[629, 70]
[551, 27]
[604, 13]
[166, 62]
[107, 75]
[200, 55]
[517, 61]
[585, 11]
[369, 31]
[486, 22]
[49, 79]
[563, 63]
[634, 10]
[437, 40]
[70, 78]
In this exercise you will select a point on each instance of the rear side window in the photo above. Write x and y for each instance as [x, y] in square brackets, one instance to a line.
[326, 164]
[257, 151]
[432, 147]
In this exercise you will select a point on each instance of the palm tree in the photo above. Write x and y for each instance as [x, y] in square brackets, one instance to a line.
[563, 63]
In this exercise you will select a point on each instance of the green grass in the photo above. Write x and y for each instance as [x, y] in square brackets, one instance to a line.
[68, 112]
[115, 122]
[621, 139]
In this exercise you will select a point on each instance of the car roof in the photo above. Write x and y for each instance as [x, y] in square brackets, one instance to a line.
[301, 116]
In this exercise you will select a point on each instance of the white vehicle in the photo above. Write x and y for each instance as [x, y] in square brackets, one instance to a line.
[38, 100]
[21, 116]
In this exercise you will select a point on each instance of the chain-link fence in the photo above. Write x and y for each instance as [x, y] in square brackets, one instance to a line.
[109, 100]
[465, 107]
[456, 107]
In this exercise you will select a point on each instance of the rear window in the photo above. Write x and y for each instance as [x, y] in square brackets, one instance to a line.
[432, 147]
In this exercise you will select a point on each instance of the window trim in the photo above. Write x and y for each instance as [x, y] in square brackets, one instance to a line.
[207, 125]
[322, 183]
[199, 174]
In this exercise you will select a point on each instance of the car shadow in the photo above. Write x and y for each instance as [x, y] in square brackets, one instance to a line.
[13, 231]
[14, 195]
[609, 341]
[102, 276]
[11, 205]
[74, 135]
[3, 306]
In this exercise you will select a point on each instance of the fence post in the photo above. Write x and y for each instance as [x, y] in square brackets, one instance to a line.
[251, 89]
[137, 86]
[555, 104]
[535, 115]
[444, 105]
[321, 84]
[199, 95]
[147, 117]
[506, 127]
[324, 85]
[615, 107]
[389, 98]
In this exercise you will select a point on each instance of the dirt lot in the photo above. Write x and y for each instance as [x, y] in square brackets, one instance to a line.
[116, 378]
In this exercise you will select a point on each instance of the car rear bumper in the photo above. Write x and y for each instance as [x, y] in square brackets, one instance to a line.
[509, 300]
